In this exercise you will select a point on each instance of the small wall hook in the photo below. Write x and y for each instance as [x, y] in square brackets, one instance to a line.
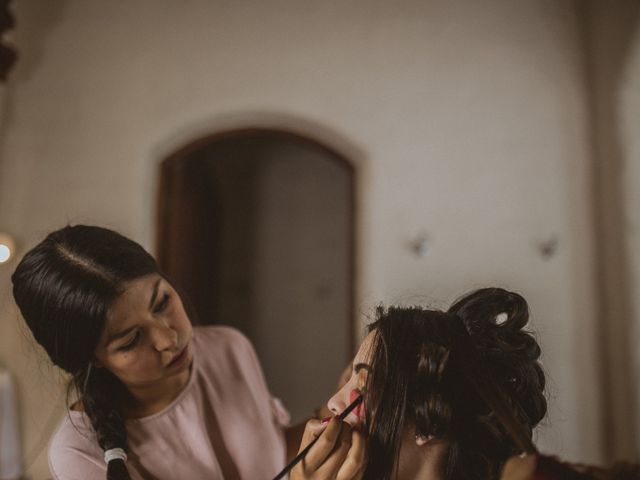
[549, 247]
[420, 246]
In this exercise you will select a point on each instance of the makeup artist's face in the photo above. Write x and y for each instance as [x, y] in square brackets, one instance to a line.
[354, 386]
[147, 338]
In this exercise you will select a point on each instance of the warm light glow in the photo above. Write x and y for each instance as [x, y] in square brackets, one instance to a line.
[5, 253]
[7, 247]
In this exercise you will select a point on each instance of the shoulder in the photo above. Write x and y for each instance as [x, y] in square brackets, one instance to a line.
[221, 337]
[227, 351]
[74, 452]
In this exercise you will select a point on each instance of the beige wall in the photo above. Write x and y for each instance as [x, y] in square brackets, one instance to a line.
[302, 269]
[629, 111]
[611, 40]
[466, 121]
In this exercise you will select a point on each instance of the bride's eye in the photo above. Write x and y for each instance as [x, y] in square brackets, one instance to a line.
[162, 304]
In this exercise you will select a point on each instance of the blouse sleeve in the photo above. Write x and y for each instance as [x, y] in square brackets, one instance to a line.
[74, 457]
[281, 415]
[70, 465]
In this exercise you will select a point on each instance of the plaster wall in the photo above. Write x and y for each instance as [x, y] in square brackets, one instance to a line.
[629, 115]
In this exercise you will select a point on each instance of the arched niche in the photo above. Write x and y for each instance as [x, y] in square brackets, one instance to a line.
[256, 226]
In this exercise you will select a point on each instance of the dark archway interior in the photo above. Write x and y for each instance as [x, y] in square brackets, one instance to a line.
[256, 228]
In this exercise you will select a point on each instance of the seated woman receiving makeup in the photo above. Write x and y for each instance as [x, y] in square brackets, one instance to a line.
[424, 412]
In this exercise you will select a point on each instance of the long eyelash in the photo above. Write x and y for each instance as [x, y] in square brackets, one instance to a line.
[131, 344]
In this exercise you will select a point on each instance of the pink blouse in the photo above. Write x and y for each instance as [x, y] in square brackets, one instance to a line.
[223, 425]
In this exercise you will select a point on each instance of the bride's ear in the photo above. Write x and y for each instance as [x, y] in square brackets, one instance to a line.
[422, 440]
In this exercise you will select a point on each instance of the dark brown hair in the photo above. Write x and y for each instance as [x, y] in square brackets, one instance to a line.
[421, 378]
[64, 288]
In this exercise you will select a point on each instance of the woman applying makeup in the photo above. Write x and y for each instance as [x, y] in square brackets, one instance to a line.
[154, 397]
[423, 413]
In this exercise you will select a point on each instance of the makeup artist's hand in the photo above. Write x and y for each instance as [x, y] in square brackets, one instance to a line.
[339, 453]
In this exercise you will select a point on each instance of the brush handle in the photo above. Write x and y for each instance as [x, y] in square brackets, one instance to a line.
[306, 449]
[296, 460]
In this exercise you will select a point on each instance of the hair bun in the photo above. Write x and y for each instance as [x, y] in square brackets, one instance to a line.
[488, 308]
[495, 319]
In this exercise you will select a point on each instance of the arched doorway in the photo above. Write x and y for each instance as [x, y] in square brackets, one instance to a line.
[256, 226]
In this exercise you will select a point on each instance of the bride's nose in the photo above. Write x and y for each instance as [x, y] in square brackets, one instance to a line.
[341, 400]
[337, 403]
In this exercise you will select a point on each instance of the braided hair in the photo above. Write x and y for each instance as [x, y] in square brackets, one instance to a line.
[64, 288]
[420, 378]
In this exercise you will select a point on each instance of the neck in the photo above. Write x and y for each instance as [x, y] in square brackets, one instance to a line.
[148, 400]
[423, 462]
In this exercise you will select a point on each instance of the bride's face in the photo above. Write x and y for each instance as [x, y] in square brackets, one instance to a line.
[419, 456]
[360, 368]
[349, 392]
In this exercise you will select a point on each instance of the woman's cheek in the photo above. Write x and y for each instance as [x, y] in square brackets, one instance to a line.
[129, 363]
[359, 411]
[119, 364]
[185, 324]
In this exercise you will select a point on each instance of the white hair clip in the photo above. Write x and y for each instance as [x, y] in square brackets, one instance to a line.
[115, 454]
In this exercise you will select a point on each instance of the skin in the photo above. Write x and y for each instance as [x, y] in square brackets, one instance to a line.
[339, 453]
[294, 435]
[151, 328]
[519, 468]
[420, 457]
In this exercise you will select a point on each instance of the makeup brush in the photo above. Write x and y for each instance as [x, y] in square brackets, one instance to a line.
[304, 452]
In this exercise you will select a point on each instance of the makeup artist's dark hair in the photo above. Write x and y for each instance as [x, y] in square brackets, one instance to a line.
[421, 379]
[64, 288]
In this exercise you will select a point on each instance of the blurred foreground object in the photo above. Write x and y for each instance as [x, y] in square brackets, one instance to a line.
[8, 55]
[541, 467]
[10, 467]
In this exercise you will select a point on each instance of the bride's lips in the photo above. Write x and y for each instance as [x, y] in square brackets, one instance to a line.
[359, 410]
[179, 358]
